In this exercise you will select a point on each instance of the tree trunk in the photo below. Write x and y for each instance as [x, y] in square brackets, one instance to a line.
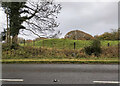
[8, 34]
[14, 40]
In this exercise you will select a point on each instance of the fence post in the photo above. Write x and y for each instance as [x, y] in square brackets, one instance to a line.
[63, 43]
[108, 44]
[74, 45]
[43, 43]
[24, 42]
[33, 42]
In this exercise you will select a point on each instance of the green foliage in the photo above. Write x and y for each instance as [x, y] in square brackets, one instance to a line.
[15, 19]
[14, 46]
[13, 11]
[7, 46]
[94, 48]
[88, 50]
[113, 35]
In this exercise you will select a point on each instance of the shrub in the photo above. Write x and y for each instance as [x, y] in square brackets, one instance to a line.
[110, 52]
[14, 46]
[7, 46]
[88, 50]
[94, 48]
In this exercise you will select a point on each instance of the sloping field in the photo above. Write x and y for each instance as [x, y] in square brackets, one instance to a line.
[68, 44]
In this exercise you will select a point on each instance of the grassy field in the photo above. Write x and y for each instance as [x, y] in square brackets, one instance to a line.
[67, 43]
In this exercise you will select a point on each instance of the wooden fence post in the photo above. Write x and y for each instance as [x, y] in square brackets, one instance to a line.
[74, 45]
[24, 42]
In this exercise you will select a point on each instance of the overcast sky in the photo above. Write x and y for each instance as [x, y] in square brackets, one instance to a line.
[94, 18]
[91, 17]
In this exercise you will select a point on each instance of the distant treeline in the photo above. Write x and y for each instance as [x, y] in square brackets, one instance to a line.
[79, 35]
[113, 35]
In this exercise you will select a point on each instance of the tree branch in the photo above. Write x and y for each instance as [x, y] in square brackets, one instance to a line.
[32, 32]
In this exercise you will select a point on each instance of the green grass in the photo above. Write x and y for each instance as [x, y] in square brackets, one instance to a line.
[112, 43]
[79, 61]
[67, 43]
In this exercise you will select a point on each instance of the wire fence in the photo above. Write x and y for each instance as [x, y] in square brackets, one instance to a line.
[53, 44]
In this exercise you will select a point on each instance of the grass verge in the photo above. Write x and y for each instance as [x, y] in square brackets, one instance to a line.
[62, 61]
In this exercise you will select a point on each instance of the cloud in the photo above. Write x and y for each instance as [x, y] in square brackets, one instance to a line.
[91, 17]
[2, 20]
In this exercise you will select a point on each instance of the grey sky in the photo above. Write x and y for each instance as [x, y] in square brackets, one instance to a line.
[94, 18]
[91, 17]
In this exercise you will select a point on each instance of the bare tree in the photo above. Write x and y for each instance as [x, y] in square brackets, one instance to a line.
[55, 35]
[40, 17]
[37, 17]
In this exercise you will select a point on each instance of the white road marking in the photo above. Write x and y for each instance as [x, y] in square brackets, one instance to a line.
[12, 80]
[107, 82]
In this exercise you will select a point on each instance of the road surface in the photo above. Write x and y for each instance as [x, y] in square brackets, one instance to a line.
[59, 73]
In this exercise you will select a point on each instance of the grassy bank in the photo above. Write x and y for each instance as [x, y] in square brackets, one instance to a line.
[28, 52]
[58, 51]
[65, 61]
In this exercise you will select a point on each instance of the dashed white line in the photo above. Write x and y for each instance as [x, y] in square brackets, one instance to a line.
[12, 80]
[107, 82]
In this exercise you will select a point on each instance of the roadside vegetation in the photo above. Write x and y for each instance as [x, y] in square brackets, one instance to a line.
[54, 49]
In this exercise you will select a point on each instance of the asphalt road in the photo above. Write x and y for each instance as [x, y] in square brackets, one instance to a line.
[62, 73]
